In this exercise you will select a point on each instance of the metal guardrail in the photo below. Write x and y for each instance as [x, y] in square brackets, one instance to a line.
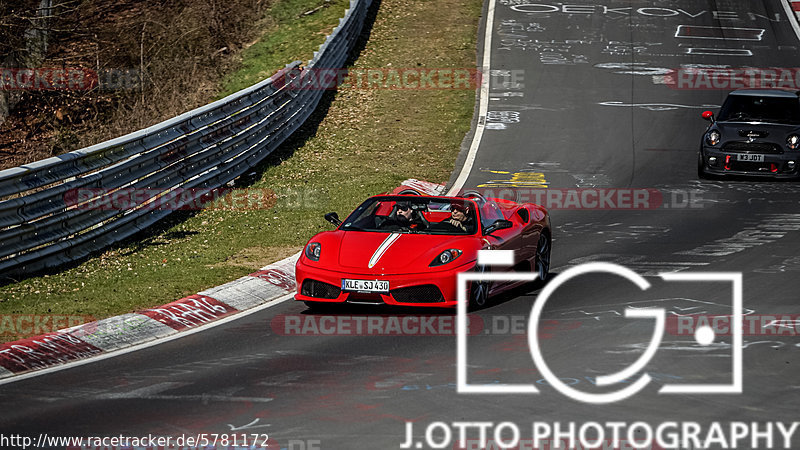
[202, 149]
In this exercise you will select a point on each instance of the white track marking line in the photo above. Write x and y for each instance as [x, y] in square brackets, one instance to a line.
[792, 18]
[484, 103]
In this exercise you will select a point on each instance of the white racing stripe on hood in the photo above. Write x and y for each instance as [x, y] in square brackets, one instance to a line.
[382, 249]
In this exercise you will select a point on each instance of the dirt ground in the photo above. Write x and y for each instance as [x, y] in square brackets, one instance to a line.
[152, 59]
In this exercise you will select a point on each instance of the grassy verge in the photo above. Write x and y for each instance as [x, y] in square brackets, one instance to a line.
[293, 30]
[362, 142]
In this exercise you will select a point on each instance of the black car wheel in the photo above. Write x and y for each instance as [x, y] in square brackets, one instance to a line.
[701, 170]
[543, 256]
[479, 290]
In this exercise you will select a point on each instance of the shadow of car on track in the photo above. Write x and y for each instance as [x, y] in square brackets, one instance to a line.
[531, 288]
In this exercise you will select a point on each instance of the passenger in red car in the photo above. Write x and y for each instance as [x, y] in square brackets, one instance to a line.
[459, 217]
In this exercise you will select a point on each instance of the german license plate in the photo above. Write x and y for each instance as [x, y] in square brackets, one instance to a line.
[365, 285]
[750, 157]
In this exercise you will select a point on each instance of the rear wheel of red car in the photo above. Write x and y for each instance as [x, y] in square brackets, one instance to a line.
[543, 256]
[479, 290]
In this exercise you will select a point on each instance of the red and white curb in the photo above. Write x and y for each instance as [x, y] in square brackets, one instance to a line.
[128, 330]
[793, 7]
[120, 332]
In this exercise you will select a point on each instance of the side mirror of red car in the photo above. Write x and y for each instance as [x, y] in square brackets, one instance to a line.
[499, 224]
[709, 116]
[333, 218]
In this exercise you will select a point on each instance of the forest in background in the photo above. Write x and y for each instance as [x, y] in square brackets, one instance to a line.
[152, 60]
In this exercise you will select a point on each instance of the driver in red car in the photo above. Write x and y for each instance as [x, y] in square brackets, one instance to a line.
[404, 216]
[407, 217]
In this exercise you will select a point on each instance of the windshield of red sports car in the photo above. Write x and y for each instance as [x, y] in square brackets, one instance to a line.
[411, 214]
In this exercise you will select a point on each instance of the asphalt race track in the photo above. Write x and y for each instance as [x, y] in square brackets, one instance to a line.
[578, 102]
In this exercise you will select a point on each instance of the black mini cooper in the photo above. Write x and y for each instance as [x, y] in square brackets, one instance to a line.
[757, 133]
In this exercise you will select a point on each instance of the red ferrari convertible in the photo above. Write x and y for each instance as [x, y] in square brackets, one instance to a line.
[406, 249]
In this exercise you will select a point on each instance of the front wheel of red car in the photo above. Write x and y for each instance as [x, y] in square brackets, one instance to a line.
[543, 256]
[479, 290]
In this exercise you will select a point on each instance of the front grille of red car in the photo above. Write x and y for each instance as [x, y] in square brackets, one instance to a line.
[425, 293]
[318, 289]
[364, 298]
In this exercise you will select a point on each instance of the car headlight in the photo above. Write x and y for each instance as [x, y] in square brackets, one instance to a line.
[445, 257]
[793, 141]
[713, 137]
[313, 250]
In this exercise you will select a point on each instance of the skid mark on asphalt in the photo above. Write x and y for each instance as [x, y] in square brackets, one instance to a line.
[203, 398]
[716, 349]
[790, 264]
[611, 232]
[637, 263]
[718, 189]
[658, 106]
[676, 306]
[766, 231]
[591, 180]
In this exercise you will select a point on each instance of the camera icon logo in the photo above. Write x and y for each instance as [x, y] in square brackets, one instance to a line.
[703, 335]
